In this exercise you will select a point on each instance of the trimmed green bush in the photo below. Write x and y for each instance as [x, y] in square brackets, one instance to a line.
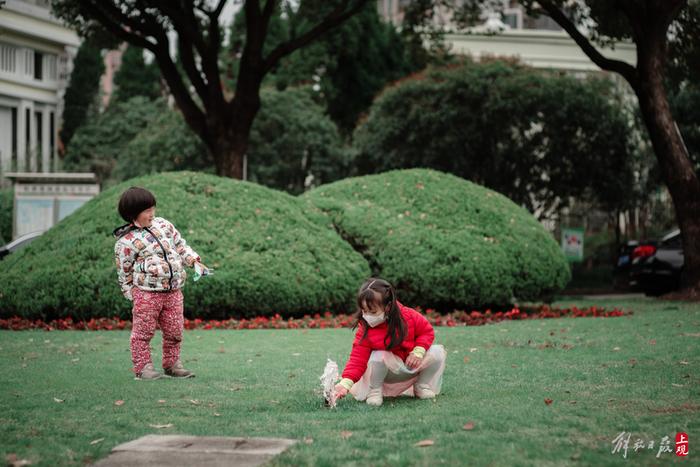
[268, 254]
[7, 200]
[444, 241]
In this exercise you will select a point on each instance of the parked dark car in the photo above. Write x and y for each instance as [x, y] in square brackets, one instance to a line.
[631, 253]
[18, 243]
[660, 272]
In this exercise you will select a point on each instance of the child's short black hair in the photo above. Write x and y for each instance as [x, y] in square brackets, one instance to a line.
[134, 201]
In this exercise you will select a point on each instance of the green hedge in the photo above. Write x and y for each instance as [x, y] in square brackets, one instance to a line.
[269, 255]
[7, 199]
[444, 241]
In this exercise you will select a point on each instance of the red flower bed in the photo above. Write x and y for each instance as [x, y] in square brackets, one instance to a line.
[327, 320]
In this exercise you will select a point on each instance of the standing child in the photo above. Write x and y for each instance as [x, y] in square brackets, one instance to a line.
[151, 257]
[392, 352]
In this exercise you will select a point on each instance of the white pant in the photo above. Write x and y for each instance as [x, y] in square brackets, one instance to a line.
[386, 370]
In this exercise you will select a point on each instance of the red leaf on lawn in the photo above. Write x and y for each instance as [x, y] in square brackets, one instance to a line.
[466, 359]
[548, 401]
[119, 402]
[345, 434]
[652, 342]
[469, 426]
[424, 443]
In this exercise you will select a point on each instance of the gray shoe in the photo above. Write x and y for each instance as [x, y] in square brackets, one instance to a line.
[149, 373]
[178, 371]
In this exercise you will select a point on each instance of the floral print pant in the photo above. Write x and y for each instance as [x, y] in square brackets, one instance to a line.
[152, 310]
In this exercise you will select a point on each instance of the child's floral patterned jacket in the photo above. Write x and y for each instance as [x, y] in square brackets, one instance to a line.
[152, 258]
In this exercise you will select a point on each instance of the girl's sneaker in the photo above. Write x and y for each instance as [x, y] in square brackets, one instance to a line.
[423, 391]
[178, 371]
[148, 373]
[374, 397]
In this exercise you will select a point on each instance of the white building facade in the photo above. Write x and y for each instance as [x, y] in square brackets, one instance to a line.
[538, 42]
[36, 54]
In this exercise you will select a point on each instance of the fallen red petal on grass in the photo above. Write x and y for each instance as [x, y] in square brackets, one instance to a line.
[119, 402]
[316, 321]
[548, 401]
[469, 426]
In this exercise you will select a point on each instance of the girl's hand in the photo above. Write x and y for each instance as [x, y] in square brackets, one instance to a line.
[413, 362]
[340, 391]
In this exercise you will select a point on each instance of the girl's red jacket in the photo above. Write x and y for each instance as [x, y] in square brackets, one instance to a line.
[419, 333]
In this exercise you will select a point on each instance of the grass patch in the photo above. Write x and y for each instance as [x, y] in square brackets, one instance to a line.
[264, 382]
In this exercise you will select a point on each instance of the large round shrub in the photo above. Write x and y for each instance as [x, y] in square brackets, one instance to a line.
[444, 241]
[538, 137]
[269, 255]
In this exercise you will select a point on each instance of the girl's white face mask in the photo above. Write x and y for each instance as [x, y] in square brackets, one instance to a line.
[375, 319]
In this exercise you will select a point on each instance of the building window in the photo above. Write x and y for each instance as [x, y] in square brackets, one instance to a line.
[513, 17]
[38, 65]
[14, 132]
[39, 141]
[50, 61]
[27, 137]
[28, 61]
[52, 137]
[8, 58]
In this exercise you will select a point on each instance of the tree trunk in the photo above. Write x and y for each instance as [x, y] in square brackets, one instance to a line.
[229, 144]
[671, 153]
[228, 151]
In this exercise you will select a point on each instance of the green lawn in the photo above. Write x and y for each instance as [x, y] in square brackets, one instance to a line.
[636, 374]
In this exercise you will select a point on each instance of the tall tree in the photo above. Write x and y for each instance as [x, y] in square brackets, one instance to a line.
[82, 89]
[222, 122]
[657, 28]
[135, 77]
[350, 65]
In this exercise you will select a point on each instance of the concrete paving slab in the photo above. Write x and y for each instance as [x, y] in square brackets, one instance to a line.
[185, 450]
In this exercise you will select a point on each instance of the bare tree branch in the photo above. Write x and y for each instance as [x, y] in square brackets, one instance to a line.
[113, 22]
[623, 68]
[219, 8]
[190, 36]
[112, 18]
[268, 9]
[333, 19]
